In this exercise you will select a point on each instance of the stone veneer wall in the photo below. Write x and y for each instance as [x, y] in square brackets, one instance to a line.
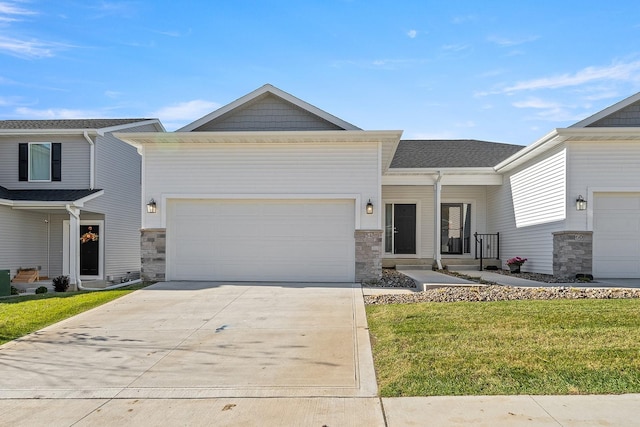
[572, 253]
[368, 255]
[153, 245]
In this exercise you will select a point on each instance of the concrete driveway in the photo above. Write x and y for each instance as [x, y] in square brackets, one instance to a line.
[225, 343]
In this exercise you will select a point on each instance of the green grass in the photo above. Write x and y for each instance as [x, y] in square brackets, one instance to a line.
[510, 347]
[22, 315]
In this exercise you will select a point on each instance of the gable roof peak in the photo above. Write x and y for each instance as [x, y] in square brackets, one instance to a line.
[607, 111]
[265, 90]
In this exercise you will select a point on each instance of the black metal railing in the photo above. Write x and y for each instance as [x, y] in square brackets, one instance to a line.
[487, 247]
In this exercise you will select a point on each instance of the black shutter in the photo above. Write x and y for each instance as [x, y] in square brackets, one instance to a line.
[56, 161]
[23, 161]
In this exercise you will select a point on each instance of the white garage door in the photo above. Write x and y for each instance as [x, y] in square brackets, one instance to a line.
[616, 235]
[261, 240]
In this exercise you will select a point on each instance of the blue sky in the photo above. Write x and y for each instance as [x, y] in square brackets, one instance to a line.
[504, 71]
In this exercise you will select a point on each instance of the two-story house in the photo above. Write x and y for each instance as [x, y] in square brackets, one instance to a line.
[70, 198]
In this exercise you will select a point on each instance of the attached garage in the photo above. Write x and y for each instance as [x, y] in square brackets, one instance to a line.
[261, 240]
[616, 235]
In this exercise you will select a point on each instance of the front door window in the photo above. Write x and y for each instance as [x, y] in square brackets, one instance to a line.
[455, 229]
[400, 228]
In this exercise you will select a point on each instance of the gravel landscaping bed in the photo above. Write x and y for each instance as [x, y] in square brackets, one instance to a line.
[500, 293]
[539, 277]
[391, 279]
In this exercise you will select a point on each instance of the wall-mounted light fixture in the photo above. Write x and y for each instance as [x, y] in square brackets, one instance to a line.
[581, 204]
[151, 206]
[369, 207]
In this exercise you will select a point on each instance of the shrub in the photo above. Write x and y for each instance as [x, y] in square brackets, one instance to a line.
[61, 283]
[42, 290]
[14, 290]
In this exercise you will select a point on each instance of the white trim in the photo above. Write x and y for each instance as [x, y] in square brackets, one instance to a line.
[138, 139]
[58, 204]
[29, 160]
[267, 88]
[357, 198]
[473, 226]
[66, 248]
[383, 215]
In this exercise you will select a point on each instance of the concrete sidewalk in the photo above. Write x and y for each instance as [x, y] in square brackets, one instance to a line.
[241, 355]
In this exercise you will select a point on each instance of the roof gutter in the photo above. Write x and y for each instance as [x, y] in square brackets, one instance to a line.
[92, 160]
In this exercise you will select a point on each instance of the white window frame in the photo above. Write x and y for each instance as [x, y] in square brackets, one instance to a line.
[391, 255]
[29, 161]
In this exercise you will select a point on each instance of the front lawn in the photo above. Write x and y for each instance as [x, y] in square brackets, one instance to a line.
[22, 315]
[507, 347]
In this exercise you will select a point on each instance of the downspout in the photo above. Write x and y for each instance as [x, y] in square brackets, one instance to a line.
[438, 240]
[92, 161]
[74, 239]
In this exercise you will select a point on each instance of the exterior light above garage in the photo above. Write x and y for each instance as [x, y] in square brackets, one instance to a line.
[369, 207]
[581, 204]
[151, 206]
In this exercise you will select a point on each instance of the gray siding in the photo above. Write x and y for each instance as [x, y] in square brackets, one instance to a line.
[268, 113]
[75, 163]
[23, 235]
[118, 173]
[627, 117]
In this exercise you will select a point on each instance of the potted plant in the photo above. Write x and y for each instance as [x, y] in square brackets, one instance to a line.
[61, 283]
[515, 263]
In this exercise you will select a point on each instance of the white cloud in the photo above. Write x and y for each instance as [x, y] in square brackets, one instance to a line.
[29, 48]
[467, 124]
[455, 47]
[9, 11]
[412, 34]
[112, 94]
[536, 103]
[507, 42]
[177, 115]
[616, 72]
[56, 113]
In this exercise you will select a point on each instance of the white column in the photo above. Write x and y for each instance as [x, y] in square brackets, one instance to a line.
[74, 246]
[438, 216]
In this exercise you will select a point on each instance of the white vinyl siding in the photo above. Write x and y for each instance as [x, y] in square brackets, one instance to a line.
[538, 191]
[534, 242]
[261, 240]
[424, 197]
[607, 165]
[270, 169]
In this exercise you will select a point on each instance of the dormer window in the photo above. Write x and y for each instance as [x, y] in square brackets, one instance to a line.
[40, 162]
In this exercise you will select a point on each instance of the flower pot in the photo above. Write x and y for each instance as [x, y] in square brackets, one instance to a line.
[515, 268]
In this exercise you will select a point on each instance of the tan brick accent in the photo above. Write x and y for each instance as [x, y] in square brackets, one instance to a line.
[368, 255]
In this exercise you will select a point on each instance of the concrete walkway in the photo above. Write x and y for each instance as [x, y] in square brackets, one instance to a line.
[240, 355]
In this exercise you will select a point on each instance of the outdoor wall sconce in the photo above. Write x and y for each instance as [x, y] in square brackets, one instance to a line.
[151, 206]
[369, 207]
[581, 204]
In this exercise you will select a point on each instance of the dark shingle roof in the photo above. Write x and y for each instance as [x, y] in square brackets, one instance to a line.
[66, 123]
[460, 153]
[44, 195]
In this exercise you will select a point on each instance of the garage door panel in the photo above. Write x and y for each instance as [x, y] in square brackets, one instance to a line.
[261, 240]
[616, 235]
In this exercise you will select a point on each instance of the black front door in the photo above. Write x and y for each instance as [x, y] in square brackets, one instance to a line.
[404, 221]
[89, 250]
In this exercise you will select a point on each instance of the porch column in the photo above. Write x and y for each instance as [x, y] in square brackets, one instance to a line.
[437, 214]
[74, 246]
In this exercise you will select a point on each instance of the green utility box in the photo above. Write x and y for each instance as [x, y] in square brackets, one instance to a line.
[5, 283]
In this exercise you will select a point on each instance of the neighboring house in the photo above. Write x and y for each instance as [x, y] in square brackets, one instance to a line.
[70, 197]
[271, 188]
